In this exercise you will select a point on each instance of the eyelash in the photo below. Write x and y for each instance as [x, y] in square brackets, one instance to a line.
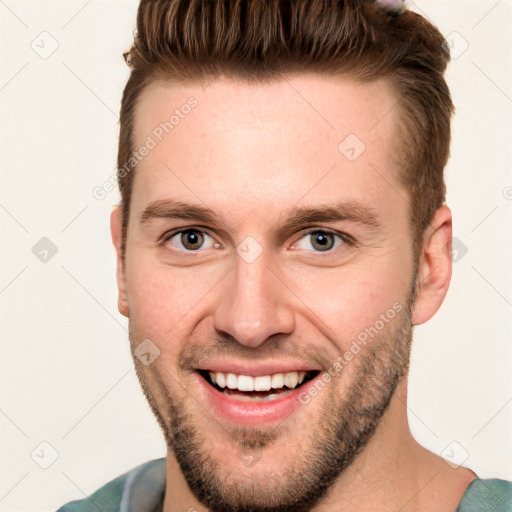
[346, 239]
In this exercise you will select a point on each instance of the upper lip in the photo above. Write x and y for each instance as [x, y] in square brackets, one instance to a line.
[253, 369]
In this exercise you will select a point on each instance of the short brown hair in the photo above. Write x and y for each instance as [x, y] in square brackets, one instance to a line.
[258, 40]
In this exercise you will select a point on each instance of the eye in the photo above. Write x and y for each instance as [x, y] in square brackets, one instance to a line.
[320, 241]
[190, 240]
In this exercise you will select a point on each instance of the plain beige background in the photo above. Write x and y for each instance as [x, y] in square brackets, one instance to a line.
[67, 377]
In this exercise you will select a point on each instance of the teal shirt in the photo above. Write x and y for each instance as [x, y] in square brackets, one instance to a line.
[490, 495]
[142, 490]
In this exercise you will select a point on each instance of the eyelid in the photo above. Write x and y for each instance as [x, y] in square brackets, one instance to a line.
[165, 237]
[169, 235]
[344, 236]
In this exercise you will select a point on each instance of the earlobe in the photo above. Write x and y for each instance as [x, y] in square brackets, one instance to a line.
[116, 233]
[434, 266]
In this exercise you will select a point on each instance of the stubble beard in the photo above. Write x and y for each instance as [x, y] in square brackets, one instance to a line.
[348, 420]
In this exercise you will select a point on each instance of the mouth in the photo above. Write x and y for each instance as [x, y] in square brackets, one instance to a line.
[261, 388]
[255, 400]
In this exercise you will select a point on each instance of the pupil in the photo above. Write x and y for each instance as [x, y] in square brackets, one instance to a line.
[191, 238]
[323, 240]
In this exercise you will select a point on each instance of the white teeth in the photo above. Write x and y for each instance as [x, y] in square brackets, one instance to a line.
[291, 380]
[245, 383]
[231, 381]
[220, 379]
[261, 383]
[277, 381]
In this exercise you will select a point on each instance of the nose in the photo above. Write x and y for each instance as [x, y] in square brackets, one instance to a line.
[254, 304]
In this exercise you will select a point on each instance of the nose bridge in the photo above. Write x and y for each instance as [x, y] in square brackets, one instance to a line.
[253, 305]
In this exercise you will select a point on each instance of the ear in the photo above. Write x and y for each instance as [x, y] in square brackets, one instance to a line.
[116, 223]
[434, 266]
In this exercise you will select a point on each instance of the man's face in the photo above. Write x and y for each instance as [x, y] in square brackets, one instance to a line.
[268, 284]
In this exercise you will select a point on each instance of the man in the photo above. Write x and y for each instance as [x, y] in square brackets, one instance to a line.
[282, 228]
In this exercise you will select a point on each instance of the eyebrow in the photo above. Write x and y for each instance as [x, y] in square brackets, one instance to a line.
[171, 209]
[295, 218]
[298, 218]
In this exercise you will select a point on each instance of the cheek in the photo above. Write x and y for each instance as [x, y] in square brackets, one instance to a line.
[163, 300]
[351, 299]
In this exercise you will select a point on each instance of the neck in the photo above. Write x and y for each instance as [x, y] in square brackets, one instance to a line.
[393, 472]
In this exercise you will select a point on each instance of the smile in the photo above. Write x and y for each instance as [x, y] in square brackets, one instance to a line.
[245, 399]
[262, 387]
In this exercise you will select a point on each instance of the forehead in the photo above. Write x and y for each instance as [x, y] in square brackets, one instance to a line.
[245, 147]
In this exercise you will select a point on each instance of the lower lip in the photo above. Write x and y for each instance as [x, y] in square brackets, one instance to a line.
[252, 412]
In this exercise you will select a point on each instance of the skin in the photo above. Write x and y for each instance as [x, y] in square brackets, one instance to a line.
[251, 153]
